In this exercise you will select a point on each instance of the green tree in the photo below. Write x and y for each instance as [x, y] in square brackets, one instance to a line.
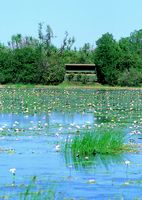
[130, 61]
[85, 54]
[6, 65]
[26, 65]
[130, 77]
[106, 57]
[136, 42]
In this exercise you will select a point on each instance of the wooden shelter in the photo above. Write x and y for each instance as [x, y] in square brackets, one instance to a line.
[81, 73]
[80, 68]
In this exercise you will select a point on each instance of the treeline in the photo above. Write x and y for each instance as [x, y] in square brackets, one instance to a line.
[39, 61]
[119, 63]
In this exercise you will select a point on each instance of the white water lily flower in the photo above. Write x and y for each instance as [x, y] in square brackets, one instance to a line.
[77, 126]
[12, 170]
[127, 162]
[127, 183]
[57, 148]
[91, 181]
[57, 134]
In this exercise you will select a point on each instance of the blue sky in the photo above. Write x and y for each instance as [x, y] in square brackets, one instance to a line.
[86, 20]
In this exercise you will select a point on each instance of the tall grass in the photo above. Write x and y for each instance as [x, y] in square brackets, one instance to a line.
[39, 194]
[102, 141]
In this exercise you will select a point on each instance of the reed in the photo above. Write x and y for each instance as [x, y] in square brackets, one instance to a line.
[31, 194]
[102, 141]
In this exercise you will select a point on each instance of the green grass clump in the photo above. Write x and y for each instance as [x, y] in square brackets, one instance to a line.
[102, 141]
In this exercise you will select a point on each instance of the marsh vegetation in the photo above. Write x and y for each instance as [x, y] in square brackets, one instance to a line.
[103, 140]
[75, 141]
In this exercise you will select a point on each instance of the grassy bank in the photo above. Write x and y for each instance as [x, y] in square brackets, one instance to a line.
[67, 85]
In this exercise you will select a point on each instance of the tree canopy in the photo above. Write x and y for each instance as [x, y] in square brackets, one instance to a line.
[38, 60]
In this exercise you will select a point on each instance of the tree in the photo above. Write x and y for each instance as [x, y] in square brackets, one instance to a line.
[6, 65]
[106, 58]
[130, 78]
[136, 42]
[85, 54]
[26, 65]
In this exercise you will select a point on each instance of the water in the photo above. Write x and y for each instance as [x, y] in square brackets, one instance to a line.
[29, 146]
[34, 121]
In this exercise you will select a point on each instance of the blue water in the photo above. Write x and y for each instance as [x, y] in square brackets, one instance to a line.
[35, 155]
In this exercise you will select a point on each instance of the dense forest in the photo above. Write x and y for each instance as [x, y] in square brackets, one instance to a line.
[39, 61]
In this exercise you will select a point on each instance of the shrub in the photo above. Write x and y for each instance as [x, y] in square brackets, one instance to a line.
[92, 78]
[131, 77]
[54, 75]
[78, 77]
[84, 79]
[70, 77]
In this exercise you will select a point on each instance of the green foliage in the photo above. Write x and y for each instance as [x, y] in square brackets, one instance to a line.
[6, 65]
[39, 194]
[39, 61]
[86, 54]
[20, 66]
[131, 52]
[126, 61]
[136, 42]
[88, 78]
[26, 62]
[69, 77]
[124, 58]
[92, 78]
[84, 79]
[81, 78]
[106, 56]
[78, 77]
[130, 77]
[54, 74]
[102, 141]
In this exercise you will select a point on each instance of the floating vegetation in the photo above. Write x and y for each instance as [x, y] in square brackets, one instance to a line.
[101, 131]
[111, 103]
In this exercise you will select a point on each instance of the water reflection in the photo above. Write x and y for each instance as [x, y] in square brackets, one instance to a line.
[54, 117]
[99, 160]
[51, 122]
[70, 118]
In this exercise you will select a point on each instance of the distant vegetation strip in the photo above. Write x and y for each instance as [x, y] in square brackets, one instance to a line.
[38, 61]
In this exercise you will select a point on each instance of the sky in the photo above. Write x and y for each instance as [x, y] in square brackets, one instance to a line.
[86, 20]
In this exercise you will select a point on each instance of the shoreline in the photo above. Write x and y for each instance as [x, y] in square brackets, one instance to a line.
[68, 86]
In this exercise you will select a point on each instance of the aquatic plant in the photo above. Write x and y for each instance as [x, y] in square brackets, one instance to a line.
[13, 172]
[103, 140]
[31, 193]
[37, 195]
